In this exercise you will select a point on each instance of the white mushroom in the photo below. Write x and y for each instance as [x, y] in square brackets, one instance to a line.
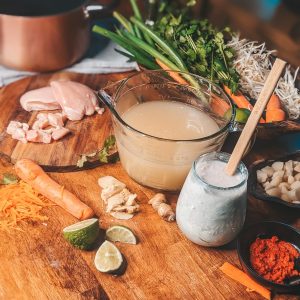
[295, 185]
[274, 192]
[261, 176]
[288, 167]
[275, 181]
[277, 165]
[268, 170]
[297, 168]
[278, 174]
[285, 197]
[290, 179]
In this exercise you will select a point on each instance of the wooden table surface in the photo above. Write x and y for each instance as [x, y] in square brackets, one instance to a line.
[39, 264]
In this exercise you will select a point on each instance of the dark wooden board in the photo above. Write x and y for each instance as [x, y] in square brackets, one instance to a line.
[87, 135]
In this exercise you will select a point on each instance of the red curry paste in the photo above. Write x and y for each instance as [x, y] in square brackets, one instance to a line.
[274, 259]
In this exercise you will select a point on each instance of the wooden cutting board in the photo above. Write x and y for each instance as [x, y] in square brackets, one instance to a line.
[87, 135]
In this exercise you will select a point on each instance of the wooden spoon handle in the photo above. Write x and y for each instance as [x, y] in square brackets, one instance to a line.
[255, 116]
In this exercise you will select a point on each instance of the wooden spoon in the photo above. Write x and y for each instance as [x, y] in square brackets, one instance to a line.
[255, 116]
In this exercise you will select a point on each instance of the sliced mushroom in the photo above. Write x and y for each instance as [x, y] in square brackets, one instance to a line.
[108, 181]
[121, 215]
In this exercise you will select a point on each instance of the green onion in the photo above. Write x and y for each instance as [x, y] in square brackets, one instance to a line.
[163, 44]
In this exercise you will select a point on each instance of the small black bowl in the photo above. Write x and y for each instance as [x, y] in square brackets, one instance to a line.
[267, 230]
[255, 188]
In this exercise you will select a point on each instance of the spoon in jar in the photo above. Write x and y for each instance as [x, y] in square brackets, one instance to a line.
[255, 116]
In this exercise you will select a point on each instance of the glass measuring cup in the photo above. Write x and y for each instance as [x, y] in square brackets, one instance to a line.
[158, 162]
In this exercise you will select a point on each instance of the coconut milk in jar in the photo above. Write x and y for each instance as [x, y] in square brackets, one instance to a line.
[211, 207]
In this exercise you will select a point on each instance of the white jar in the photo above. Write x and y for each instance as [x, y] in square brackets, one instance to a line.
[211, 207]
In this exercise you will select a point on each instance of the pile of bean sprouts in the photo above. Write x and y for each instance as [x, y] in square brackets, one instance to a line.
[253, 62]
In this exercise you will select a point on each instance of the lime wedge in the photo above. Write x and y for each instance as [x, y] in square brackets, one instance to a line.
[108, 258]
[241, 115]
[120, 233]
[82, 234]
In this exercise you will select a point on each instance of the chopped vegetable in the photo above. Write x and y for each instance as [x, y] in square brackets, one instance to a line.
[109, 144]
[201, 46]
[238, 275]
[274, 112]
[34, 175]
[109, 147]
[240, 100]
[9, 178]
[174, 75]
[18, 202]
[82, 234]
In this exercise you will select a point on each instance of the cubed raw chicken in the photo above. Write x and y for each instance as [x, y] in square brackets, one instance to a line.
[39, 99]
[38, 136]
[59, 133]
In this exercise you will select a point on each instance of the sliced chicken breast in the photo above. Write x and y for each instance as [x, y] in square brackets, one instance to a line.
[39, 99]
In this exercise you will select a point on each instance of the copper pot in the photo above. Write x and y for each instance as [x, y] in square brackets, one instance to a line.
[44, 36]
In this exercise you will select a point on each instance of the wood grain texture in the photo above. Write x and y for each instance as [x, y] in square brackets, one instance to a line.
[86, 135]
[39, 264]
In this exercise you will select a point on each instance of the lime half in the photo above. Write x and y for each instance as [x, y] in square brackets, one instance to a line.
[120, 233]
[82, 234]
[108, 258]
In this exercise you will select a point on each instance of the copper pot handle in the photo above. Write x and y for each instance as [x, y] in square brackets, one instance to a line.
[95, 10]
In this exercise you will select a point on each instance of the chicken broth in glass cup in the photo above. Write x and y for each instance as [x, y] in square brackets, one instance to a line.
[161, 126]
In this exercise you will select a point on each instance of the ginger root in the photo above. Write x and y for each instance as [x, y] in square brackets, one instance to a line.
[164, 210]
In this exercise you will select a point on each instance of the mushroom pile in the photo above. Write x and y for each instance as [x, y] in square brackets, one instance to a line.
[282, 180]
[120, 203]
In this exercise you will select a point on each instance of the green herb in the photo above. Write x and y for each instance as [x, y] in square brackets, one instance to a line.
[109, 144]
[201, 46]
[179, 42]
[103, 154]
[9, 178]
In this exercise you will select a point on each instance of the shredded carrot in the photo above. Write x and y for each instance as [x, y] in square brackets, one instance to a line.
[174, 75]
[238, 275]
[19, 202]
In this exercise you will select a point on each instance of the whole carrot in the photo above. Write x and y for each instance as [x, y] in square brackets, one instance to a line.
[34, 175]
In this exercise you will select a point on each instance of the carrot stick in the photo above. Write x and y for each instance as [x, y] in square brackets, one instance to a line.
[240, 100]
[219, 106]
[34, 175]
[274, 112]
[274, 102]
[275, 115]
[238, 275]
[174, 75]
